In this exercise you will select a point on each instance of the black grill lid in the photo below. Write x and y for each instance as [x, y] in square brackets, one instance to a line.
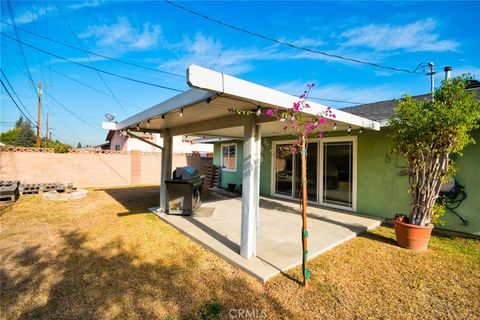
[185, 173]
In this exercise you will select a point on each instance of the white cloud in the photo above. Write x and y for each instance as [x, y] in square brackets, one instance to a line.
[211, 52]
[80, 60]
[122, 36]
[305, 42]
[30, 16]
[383, 73]
[417, 36]
[86, 4]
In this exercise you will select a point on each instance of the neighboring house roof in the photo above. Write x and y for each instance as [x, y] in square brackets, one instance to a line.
[381, 111]
[109, 135]
[103, 146]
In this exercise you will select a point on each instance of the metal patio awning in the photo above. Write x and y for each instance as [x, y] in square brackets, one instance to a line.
[203, 109]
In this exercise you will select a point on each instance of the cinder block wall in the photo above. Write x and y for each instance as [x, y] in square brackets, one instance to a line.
[89, 169]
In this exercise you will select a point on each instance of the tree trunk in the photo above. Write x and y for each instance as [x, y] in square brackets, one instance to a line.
[305, 270]
[425, 189]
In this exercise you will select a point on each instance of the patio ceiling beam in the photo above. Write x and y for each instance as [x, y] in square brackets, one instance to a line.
[206, 79]
[182, 100]
[129, 133]
[229, 121]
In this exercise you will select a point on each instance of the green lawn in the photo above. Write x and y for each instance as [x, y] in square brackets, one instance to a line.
[106, 257]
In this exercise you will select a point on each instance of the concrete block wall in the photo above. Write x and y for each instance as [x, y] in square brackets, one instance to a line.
[89, 169]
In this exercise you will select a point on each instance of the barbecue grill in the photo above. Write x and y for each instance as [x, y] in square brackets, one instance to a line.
[184, 191]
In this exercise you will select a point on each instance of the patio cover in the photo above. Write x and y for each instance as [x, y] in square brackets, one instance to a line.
[203, 111]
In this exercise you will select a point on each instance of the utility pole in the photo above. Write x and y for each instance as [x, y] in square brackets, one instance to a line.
[38, 112]
[46, 133]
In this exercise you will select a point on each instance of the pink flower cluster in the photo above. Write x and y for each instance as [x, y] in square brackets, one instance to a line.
[329, 113]
[298, 122]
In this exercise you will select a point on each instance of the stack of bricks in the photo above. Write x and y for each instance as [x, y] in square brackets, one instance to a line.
[9, 191]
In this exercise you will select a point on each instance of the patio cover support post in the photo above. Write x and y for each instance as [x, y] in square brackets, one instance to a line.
[251, 189]
[166, 169]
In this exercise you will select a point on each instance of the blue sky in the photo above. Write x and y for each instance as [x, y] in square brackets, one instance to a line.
[160, 36]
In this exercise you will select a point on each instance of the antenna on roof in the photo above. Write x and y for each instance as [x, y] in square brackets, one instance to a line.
[430, 73]
[431, 66]
[110, 117]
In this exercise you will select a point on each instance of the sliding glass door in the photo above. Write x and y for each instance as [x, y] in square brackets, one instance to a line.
[338, 174]
[288, 172]
[312, 169]
[283, 172]
[331, 172]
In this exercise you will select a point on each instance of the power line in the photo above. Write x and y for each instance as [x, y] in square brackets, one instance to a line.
[104, 93]
[283, 43]
[39, 61]
[133, 64]
[334, 100]
[19, 109]
[15, 93]
[71, 112]
[58, 102]
[22, 53]
[69, 128]
[88, 58]
[35, 29]
[48, 44]
[17, 36]
[93, 88]
[13, 62]
[94, 68]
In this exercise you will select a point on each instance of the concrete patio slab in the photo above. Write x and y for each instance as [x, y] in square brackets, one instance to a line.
[279, 246]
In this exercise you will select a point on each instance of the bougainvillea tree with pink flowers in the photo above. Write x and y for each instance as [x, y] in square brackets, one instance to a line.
[304, 125]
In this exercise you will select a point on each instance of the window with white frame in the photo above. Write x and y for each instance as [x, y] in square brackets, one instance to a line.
[117, 147]
[229, 157]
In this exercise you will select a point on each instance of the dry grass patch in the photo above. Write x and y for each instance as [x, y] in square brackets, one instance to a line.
[105, 256]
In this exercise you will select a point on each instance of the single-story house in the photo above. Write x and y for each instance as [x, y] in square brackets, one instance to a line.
[354, 171]
[349, 169]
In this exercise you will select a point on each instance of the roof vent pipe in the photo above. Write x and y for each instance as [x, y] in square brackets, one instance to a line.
[447, 70]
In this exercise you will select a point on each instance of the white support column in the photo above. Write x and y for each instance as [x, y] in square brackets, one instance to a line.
[166, 169]
[251, 189]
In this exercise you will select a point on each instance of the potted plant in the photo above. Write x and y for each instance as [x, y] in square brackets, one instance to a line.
[427, 132]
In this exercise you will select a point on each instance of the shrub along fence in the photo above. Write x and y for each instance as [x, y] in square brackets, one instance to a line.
[88, 167]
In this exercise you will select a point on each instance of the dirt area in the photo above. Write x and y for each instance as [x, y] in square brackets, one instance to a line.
[105, 256]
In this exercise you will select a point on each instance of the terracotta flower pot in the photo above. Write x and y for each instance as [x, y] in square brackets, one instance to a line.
[411, 236]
